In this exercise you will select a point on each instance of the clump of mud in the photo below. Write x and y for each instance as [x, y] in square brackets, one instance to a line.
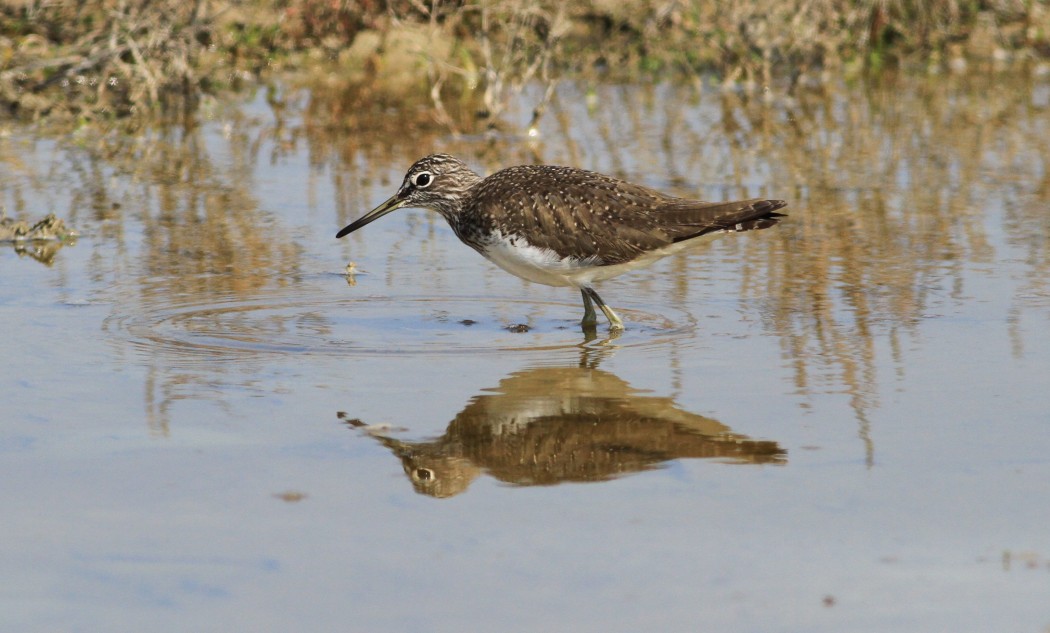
[40, 240]
[49, 229]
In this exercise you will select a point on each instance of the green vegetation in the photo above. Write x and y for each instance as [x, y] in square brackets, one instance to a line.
[107, 59]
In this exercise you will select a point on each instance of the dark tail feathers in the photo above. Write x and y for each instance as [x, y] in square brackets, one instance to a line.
[759, 214]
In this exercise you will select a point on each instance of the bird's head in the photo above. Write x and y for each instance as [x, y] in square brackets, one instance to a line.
[438, 182]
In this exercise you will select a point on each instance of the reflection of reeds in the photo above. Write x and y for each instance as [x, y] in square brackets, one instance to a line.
[890, 184]
[205, 239]
[205, 233]
[894, 183]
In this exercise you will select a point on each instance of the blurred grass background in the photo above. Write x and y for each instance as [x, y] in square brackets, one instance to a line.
[86, 60]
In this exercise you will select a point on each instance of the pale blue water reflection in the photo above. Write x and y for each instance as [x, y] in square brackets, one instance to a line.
[175, 459]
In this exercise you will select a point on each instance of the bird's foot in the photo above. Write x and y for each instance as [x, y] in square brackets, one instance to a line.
[615, 322]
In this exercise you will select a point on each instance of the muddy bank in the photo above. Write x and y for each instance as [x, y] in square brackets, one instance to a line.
[102, 60]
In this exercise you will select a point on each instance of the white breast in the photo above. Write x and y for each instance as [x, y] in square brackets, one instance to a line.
[542, 265]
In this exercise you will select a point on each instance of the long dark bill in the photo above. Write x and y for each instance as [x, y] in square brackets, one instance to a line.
[390, 205]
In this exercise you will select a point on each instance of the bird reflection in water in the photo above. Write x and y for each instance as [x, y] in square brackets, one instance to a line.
[551, 425]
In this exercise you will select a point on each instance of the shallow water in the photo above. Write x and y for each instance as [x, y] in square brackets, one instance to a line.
[837, 424]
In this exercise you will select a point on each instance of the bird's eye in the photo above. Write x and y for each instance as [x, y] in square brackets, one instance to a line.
[422, 179]
[423, 474]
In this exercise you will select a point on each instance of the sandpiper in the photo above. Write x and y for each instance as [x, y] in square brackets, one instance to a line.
[562, 226]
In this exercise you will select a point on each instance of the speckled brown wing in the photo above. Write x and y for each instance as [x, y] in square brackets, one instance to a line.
[585, 214]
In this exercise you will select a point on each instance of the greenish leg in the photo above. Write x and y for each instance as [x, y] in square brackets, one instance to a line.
[590, 317]
[615, 323]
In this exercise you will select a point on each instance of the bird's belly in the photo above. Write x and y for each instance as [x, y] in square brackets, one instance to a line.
[544, 266]
[539, 265]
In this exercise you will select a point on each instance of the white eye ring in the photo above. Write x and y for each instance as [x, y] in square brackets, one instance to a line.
[423, 179]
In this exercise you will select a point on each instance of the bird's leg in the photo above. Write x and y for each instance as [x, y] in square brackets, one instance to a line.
[590, 318]
[615, 323]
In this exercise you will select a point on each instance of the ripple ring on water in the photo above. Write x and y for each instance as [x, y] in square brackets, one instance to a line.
[233, 328]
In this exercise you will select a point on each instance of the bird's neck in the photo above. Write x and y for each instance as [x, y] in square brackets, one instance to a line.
[472, 229]
[452, 207]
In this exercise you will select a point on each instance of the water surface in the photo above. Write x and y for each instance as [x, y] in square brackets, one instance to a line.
[837, 424]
